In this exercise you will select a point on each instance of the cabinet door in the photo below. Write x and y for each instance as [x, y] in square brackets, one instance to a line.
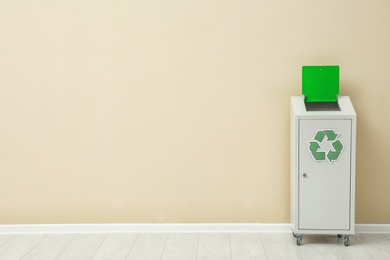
[324, 174]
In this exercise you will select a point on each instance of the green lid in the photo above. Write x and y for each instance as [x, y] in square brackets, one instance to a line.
[320, 83]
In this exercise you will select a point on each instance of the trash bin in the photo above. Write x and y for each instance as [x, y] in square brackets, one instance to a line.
[323, 148]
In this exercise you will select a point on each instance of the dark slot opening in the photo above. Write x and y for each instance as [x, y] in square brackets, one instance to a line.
[322, 106]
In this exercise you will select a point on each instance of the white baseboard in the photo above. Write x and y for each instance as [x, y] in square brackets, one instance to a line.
[372, 228]
[145, 228]
[170, 228]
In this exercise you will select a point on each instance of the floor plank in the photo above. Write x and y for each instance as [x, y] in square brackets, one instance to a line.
[354, 251]
[280, 246]
[19, 245]
[115, 246]
[214, 246]
[377, 245]
[4, 238]
[83, 246]
[315, 247]
[148, 246]
[181, 246]
[246, 246]
[387, 235]
[50, 246]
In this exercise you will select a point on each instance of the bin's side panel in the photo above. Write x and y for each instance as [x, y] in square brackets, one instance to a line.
[293, 166]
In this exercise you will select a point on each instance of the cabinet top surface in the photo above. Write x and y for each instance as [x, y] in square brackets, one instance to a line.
[299, 109]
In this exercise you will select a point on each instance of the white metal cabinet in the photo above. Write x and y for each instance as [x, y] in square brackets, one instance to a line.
[323, 170]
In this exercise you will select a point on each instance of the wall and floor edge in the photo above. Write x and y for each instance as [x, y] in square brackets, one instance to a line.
[170, 228]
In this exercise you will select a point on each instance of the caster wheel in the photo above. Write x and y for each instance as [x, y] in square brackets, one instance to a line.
[338, 235]
[346, 240]
[294, 234]
[299, 240]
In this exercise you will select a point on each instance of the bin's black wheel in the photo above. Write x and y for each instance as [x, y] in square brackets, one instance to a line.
[294, 234]
[299, 240]
[338, 235]
[346, 240]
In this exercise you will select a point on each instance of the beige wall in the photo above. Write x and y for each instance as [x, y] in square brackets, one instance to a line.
[178, 111]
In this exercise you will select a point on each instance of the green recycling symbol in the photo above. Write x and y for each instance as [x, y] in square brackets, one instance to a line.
[317, 148]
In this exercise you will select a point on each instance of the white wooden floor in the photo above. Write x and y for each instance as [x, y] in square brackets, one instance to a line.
[191, 246]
